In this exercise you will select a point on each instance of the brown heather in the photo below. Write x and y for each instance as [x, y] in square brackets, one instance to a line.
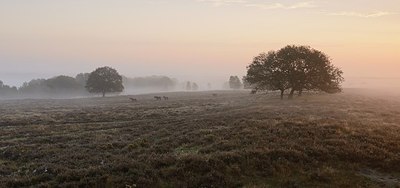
[200, 140]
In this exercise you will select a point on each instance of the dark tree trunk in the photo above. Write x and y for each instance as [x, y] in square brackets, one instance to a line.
[104, 94]
[282, 91]
[291, 94]
[300, 92]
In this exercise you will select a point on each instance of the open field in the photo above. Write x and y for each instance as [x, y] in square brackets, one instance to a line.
[199, 140]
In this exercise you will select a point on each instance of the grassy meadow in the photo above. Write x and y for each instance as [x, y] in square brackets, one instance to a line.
[197, 139]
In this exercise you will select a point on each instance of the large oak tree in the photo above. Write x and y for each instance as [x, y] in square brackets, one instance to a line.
[294, 68]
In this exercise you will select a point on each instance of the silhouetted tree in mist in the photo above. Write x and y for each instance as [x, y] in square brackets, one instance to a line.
[297, 68]
[266, 73]
[104, 80]
[234, 82]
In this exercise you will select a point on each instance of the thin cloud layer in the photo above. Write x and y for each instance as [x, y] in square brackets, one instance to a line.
[222, 2]
[247, 3]
[296, 5]
[363, 15]
[299, 5]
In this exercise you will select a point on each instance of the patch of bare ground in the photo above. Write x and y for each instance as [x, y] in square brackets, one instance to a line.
[196, 139]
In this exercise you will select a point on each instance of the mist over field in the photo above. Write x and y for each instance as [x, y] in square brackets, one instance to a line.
[33, 86]
[199, 93]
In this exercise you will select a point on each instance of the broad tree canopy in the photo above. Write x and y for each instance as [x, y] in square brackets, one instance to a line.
[104, 80]
[297, 68]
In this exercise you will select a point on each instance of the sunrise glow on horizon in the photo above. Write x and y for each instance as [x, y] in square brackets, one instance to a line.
[188, 39]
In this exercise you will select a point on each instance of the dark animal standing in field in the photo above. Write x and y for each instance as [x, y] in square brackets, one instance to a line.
[214, 95]
[157, 98]
[165, 98]
[133, 100]
[253, 91]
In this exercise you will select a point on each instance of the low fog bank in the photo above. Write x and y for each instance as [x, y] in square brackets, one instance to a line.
[64, 87]
[379, 87]
[372, 83]
[381, 93]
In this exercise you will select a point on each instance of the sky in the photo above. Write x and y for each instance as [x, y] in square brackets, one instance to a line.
[197, 40]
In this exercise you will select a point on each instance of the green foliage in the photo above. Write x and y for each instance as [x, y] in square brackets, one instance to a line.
[104, 80]
[297, 68]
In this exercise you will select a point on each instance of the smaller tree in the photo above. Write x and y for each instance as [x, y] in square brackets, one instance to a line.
[266, 73]
[104, 80]
[234, 82]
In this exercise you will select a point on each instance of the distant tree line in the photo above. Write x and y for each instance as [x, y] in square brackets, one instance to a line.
[59, 86]
[101, 81]
[8, 91]
[296, 69]
[160, 82]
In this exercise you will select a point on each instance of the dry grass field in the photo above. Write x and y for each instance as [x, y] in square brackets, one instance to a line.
[233, 139]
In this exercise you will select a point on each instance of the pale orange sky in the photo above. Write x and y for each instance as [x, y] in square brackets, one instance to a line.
[189, 39]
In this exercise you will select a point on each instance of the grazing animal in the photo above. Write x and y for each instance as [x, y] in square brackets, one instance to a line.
[253, 91]
[165, 98]
[133, 100]
[158, 98]
[214, 95]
